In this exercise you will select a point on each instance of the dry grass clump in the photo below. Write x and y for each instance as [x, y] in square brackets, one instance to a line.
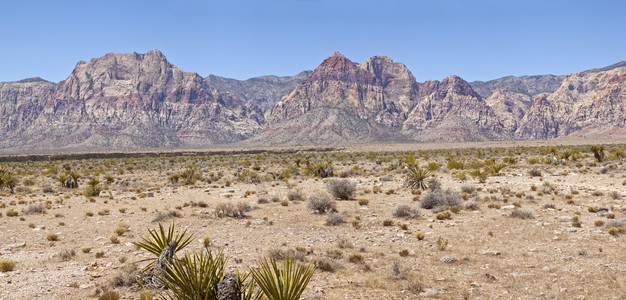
[11, 213]
[109, 295]
[162, 216]
[466, 188]
[295, 196]
[67, 254]
[420, 235]
[407, 212]
[35, 209]
[321, 203]
[6, 265]
[85, 249]
[126, 277]
[522, 213]
[363, 202]
[341, 188]
[439, 198]
[444, 215]
[534, 172]
[356, 258]
[326, 264]
[206, 241]
[227, 209]
[335, 220]
[52, 237]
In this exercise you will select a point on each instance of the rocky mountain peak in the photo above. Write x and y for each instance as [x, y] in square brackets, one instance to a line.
[339, 68]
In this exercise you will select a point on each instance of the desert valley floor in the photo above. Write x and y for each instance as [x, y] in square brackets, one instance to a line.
[507, 221]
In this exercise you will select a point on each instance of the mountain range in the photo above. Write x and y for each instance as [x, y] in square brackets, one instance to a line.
[138, 101]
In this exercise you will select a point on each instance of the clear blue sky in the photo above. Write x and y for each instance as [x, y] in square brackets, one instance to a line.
[477, 40]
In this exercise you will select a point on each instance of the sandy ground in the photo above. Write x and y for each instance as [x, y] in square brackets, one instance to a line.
[489, 255]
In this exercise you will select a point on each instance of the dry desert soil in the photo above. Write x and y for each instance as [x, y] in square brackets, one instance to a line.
[507, 222]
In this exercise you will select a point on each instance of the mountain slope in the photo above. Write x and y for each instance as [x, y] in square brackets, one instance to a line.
[131, 101]
[263, 91]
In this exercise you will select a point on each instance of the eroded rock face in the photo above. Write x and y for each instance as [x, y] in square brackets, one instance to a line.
[586, 101]
[451, 110]
[509, 107]
[130, 101]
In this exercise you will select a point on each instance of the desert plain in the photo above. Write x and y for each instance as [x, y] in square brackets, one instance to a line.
[501, 220]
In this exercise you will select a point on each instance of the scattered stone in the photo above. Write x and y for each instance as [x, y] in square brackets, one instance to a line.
[508, 207]
[14, 246]
[449, 259]
[491, 276]
[489, 251]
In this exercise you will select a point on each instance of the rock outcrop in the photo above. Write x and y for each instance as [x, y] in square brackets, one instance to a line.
[451, 110]
[586, 101]
[131, 101]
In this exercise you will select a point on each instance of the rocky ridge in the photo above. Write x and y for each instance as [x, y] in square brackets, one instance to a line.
[133, 101]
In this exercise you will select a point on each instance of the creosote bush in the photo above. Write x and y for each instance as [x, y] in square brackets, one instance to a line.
[522, 213]
[321, 203]
[440, 198]
[341, 188]
[406, 211]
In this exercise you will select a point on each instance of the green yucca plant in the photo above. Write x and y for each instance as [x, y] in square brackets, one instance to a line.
[195, 276]
[496, 168]
[159, 238]
[284, 282]
[416, 178]
[598, 152]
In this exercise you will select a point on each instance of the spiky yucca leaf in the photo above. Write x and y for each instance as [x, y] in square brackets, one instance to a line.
[194, 277]
[157, 240]
[286, 282]
[416, 178]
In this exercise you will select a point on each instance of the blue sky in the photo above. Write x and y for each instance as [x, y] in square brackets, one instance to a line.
[477, 40]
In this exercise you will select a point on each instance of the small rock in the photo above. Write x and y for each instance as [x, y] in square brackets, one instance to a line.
[508, 207]
[449, 259]
[14, 246]
[491, 276]
[489, 251]
[430, 292]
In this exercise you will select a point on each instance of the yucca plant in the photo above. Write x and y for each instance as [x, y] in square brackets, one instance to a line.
[496, 168]
[282, 282]
[159, 238]
[598, 152]
[416, 178]
[195, 276]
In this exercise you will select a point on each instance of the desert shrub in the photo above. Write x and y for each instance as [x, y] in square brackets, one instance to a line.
[363, 202]
[52, 237]
[444, 215]
[433, 166]
[407, 212]
[335, 220]
[387, 222]
[35, 209]
[11, 213]
[420, 235]
[227, 209]
[615, 195]
[598, 152]
[466, 188]
[126, 277]
[440, 198]
[356, 258]
[326, 264]
[416, 178]
[386, 178]
[341, 188]
[442, 244]
[48, 190]
[295, 196]
[67, 254]
[262, 200]
[322, 169]
[166, 215]
[522, 213]
[534, 172]
[454, 164]
[321, 203]
[109, 295]
[472, 206]
[6, 265]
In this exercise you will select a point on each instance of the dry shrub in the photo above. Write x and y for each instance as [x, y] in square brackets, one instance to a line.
[407, 212]
[321, 203]
[440, 198]
[341, 188]
[227, 209]
[522, 213]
